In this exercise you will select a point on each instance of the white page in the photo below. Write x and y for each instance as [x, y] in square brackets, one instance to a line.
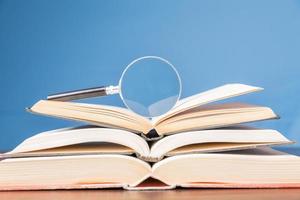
[216, 94]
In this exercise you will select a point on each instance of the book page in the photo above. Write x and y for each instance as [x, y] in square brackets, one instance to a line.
[255, 166]
[96, 148]
[103, 115]
[212, 109]
[216, 94]
[214, 118]
[72, 136]
[67, 172]
[217, 139]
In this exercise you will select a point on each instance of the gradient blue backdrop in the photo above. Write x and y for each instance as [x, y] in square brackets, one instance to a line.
[51, 46]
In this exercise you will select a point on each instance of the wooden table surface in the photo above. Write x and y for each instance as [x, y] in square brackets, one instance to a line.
[207, 194]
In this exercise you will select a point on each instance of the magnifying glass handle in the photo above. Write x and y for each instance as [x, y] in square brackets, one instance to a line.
[84, 93]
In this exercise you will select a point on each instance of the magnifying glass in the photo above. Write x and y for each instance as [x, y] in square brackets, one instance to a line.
[149, 86]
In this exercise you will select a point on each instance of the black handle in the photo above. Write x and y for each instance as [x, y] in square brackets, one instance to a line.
[78, 94]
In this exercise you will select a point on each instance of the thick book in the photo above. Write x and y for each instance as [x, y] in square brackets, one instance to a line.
[191, 113]
[252, 168]
[197, 144]
[89, 140]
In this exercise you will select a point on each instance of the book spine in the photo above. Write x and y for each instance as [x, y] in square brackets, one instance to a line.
[148, 158]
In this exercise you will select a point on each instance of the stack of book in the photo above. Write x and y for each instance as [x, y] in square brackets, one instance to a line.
[199, 143]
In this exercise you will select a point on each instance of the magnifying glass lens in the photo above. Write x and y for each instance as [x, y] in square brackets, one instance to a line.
[150, 86]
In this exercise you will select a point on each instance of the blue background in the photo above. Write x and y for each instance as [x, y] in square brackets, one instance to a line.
[52, 46]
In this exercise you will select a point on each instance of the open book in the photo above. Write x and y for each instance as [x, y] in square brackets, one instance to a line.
[209, 149]
[189, 114]
[92, 140]
[254, 168]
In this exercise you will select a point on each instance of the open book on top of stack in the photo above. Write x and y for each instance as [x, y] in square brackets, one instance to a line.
[196, 144]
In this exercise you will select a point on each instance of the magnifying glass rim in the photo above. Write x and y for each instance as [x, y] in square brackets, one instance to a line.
[146, 57]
